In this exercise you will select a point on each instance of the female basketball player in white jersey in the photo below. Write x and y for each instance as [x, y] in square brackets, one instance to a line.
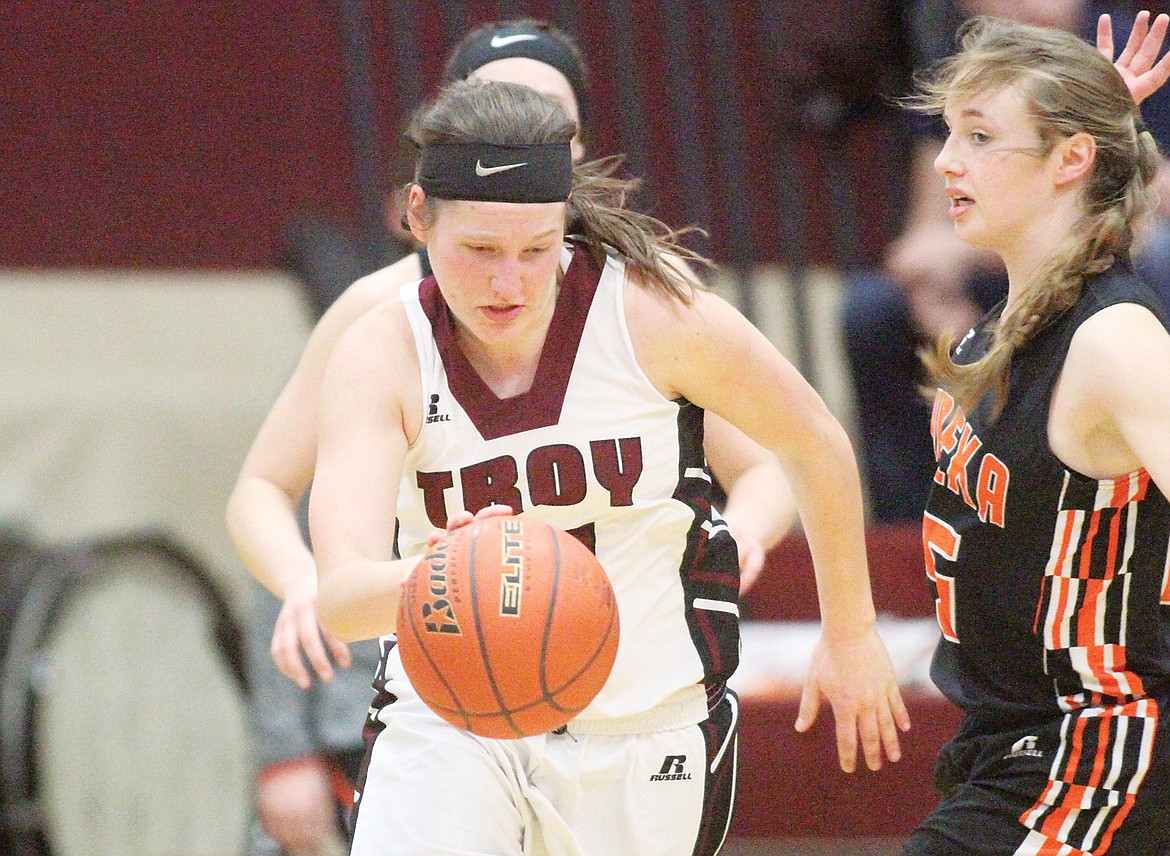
[279, 467]
[553, 328]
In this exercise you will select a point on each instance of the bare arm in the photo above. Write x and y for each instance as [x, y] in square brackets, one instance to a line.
[1109, 416]
[368, 408]
[760, 508]
[702, 352]
[261, 512]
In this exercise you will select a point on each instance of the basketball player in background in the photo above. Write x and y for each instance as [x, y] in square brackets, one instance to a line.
[556, 323]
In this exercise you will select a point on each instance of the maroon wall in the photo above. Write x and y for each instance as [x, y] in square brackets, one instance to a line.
[189, 134]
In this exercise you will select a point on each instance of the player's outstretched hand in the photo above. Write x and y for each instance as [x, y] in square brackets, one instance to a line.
[1137, 61]
[856, 676]
[298, 636]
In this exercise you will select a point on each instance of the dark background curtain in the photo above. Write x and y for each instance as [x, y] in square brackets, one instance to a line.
[191, 134]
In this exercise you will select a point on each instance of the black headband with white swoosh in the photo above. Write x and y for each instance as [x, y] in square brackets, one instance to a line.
[487, 173]
[527, 39]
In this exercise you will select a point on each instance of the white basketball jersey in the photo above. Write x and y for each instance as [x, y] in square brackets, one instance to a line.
[595, 449]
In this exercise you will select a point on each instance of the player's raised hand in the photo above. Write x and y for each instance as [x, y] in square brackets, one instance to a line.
[1137, 63]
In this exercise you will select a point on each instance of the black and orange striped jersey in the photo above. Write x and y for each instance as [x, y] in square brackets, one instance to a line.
[1052, 592]
[1051, 588]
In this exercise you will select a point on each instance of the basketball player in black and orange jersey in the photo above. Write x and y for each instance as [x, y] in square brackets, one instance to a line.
[1047, 532]
[560, 364]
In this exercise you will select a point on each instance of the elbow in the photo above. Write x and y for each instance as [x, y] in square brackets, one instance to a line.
[333, 614]
[234, 514]
[827, 461]
[834, 438]
[329, 613]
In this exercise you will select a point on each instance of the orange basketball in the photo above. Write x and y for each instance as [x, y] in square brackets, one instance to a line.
[508, 627]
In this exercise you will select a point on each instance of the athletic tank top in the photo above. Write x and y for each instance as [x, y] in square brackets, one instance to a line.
[595, 449]
[1048, 583]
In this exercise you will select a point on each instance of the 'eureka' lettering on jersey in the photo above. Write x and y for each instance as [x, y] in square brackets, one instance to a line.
[953, 435]
[555, 475]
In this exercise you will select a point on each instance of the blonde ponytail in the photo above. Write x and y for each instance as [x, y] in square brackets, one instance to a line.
[1069, 88]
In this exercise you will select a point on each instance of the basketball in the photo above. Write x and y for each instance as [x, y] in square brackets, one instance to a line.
[508, 627]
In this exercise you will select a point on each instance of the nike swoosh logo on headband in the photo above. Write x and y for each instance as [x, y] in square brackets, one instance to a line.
[480, 169]
[504, 41]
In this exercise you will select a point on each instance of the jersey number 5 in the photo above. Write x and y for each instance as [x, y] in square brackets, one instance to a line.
[940, 539]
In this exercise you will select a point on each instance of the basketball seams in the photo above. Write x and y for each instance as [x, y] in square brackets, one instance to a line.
[549, 619]
[589, 661]
[562, 655]
[407, 603]
[504, 710]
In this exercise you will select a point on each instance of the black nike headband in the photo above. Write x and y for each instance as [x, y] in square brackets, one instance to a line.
[521, 40]
[483, 172]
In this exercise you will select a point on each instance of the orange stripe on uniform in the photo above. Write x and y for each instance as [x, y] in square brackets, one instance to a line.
[1063, 536]
[1120, 493]
[1093, 594]
[1085, 548]
[1106, 672]
[1065, 607]
[1115, 546]
[1128, 488]
[1103, 750]
[1061, 801]
[1076, 747]
[1118, 819]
